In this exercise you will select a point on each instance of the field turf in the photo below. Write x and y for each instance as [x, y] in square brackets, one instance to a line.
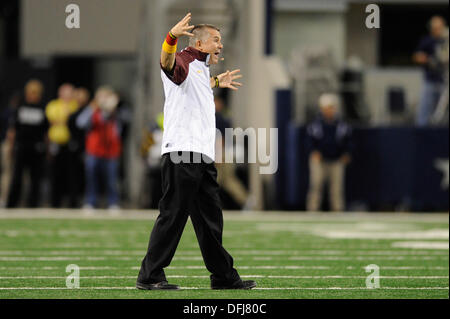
[290, 255]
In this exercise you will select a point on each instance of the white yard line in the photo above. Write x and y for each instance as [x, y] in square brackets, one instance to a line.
[277, 216]
[413, 267]
[243, 247]
[367, 258]
[257, 288]
[170, 267]
[444, 245]
[239, 267]
[243, 276]
[199, 258]
[438, 233]
[96, 252]
[353, 288]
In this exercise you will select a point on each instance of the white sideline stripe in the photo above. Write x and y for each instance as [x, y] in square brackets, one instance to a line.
[366, 258]
[243, 276]
[260, 216]
[239, 267]
[25, 253]
[413, 267]
[438, 233]
[422, 244]
[204, 288]
[94, 258]
[243, 247]
[354, 288]
[170, 267]
[349, 234]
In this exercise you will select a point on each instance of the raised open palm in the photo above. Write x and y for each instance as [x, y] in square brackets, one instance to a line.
[183, 27]
[227, 79]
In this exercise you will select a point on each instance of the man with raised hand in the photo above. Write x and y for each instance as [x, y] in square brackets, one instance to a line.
[188, 172]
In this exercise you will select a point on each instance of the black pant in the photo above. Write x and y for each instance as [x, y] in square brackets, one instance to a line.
[29, 157]
[60, 173]
[76, 177]
[189, 189]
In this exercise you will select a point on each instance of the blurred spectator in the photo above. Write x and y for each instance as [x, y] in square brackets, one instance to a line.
[6, 116]
[330, 153]
[58, 112]
[428, 55]
[123, 115]
[103, 145]
[76, 149]
[27, 137]
[151, 152]
[226, 177]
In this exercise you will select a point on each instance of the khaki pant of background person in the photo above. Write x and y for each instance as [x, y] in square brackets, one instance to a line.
[227, 179]
[321, 171]
[5, 171]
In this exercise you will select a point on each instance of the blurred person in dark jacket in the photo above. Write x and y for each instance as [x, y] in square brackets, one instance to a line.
[151, 153]
[76, 149]
[27, 136]
[226, 175]
[103, 146]
[428, 55]
[58, 112]
[330, 142]
[6, 116]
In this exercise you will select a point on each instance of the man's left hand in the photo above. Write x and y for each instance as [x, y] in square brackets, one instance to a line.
[227, 79]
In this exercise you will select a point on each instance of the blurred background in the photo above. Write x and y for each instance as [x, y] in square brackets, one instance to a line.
[362, 113]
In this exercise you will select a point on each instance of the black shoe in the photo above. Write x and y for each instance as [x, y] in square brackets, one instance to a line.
[163, 285]
[240, 284]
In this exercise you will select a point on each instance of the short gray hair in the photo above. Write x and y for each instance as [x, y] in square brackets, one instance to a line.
[328, 99]
[200, 33]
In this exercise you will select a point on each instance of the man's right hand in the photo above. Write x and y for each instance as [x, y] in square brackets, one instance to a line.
[420, 58]
[183, 27]
[180, 29]
[316, 157]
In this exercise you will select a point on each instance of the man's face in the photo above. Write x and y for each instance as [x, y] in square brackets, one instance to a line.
[81, 96]
[65, 92]
[437, 27]
[329, 112]
[33, 93]
[212, 45]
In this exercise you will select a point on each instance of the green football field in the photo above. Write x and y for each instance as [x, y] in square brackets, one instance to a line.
[290, 255]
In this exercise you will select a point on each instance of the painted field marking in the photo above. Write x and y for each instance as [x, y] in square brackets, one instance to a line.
[239, 267]
[353, 288]
[368, 258]
[438, 233]
[422, 244]
[413, 267]
[205, 288]
[243, 276]
[347, 232]
[125, 258]
[234, 252]
[331, 246]
[170, 267]
[260, 216]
